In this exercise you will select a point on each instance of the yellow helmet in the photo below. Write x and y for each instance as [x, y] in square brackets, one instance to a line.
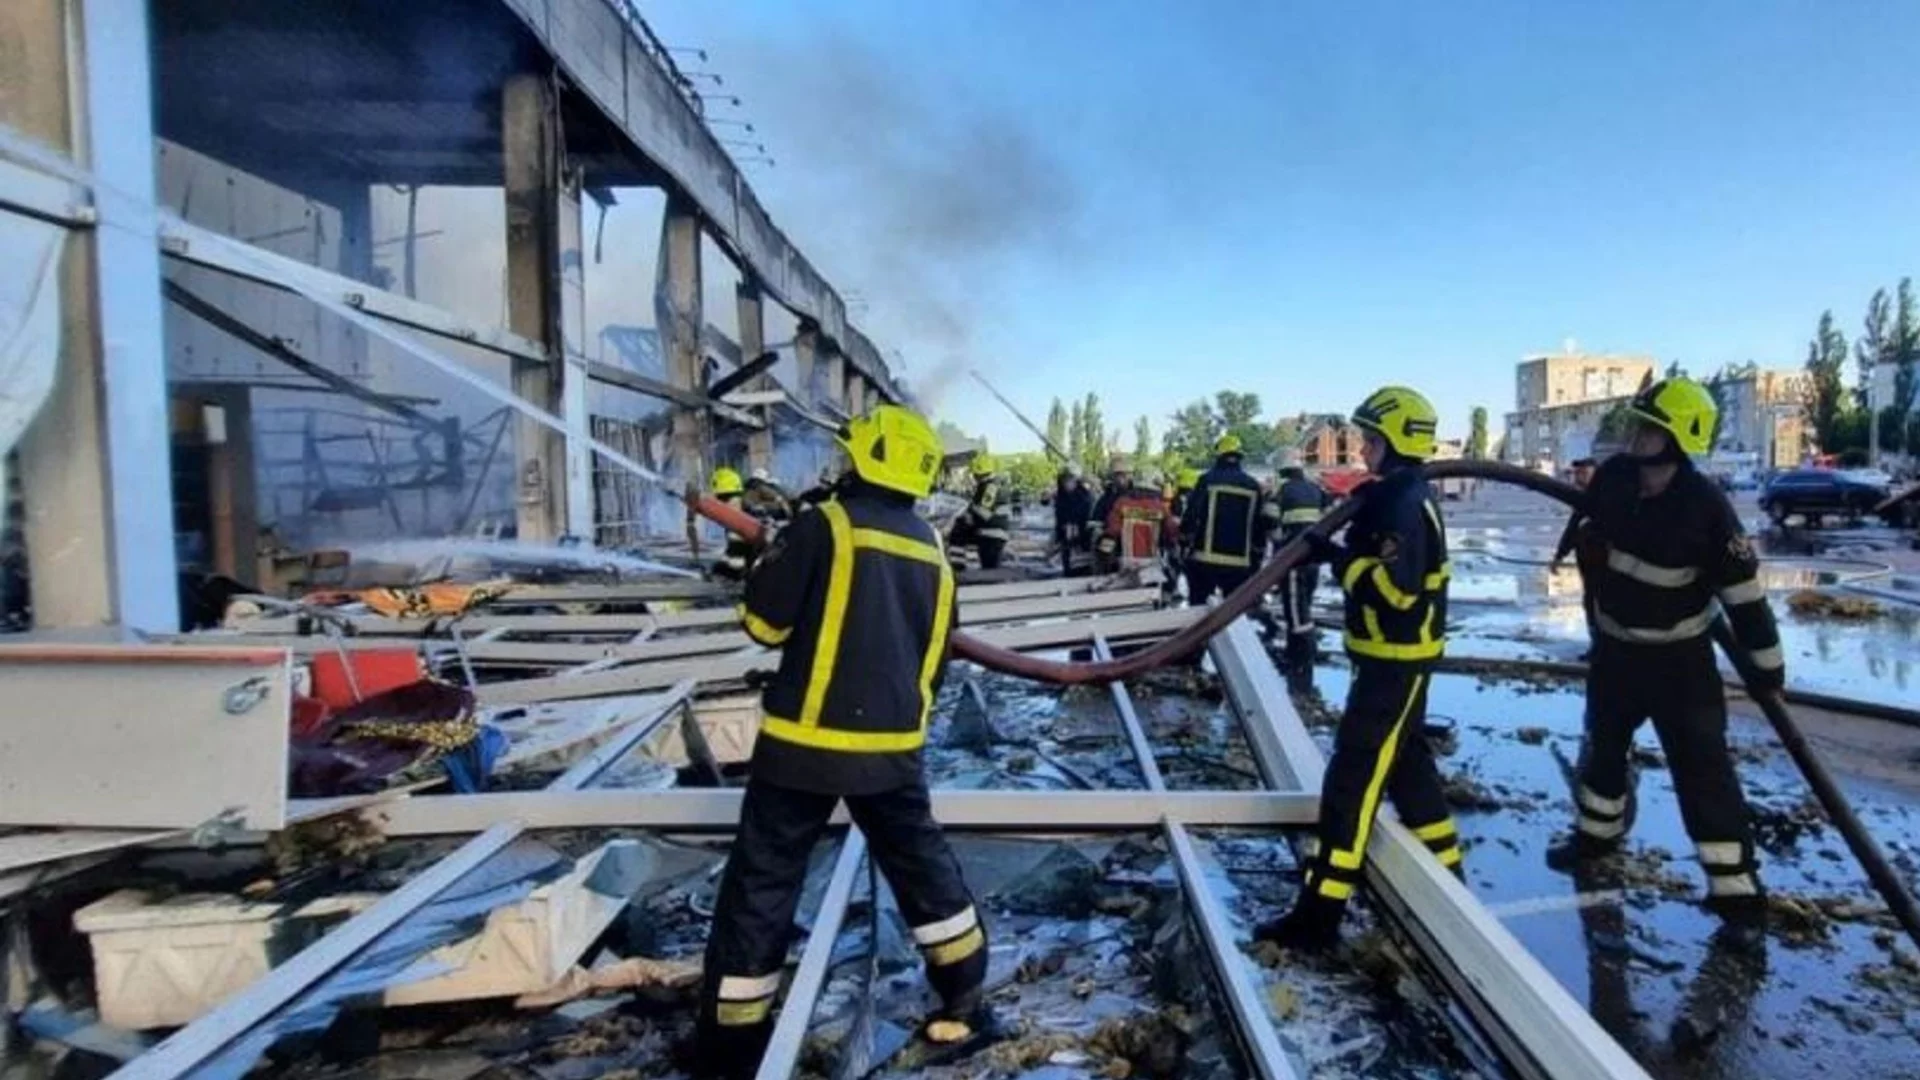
[1402, 417]
[1227, 444]
[1189, 479]
[727, 482]
[984, 465]
[894, 448]
[1682, 408]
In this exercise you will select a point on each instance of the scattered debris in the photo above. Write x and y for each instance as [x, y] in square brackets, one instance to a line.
[1821, 605]
[341, 840]
[1532, 736]
[1065, 884]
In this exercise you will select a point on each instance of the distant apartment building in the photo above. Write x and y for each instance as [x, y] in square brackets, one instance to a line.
[1761, 413]
[1329, 442]
[1559, 399]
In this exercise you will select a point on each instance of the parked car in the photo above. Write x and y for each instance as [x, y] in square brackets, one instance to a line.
[1817, 494]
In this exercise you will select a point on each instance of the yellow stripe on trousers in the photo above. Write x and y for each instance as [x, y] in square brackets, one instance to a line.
[1349, 858]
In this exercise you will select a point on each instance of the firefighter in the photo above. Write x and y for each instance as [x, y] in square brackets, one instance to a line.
[1072, 510]
[1301, 502]
[1183, 485]
[1225, 526]
[1663, 554]
[1394, 572]
[1119, 480]
[1136, 526]
[738, 556]
[859, 599]
[766, 499]
[983, 524]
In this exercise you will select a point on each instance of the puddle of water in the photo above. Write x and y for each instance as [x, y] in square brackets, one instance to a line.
[1102, 978]
[1648, 959]
[1353, 1013]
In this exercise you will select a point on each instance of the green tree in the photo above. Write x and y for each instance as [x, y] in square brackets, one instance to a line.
[1077, 434]
[1236, 410]
[1823, 405]
[1142, 439]
[1870, 350]
[1094, 436]
[1191, 432]
[1057, 425]
[1477, 434]
[1903, 350]
[1288, 429]
[1029, 474]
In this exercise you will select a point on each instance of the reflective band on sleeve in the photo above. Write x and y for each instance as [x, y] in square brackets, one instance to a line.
[1742, 592]
[748, 987]
[992, 534]
[1721, 852]
[1685, 630]
[1665, 577]
[1355, 569]
[1600, 804]
[1438, 579]
[761, 630]
[1390, 592]
[952, 952]
[933, 933]
[1304, 516]
[1732, 885]
[1603, 830]
[1770, 658]
[937, 645]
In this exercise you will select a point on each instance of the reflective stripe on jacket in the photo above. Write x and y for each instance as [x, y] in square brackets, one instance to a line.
[860, 599]
[1660, 569]
[1395, 572]
[1223, 521]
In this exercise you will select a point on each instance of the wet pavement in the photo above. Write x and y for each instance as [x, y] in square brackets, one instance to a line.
[1507, 602]
[1836, 989]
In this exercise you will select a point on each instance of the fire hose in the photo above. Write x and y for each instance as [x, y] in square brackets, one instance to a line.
[1195, 635]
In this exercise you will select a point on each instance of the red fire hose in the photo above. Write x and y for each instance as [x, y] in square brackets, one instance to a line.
[1195, 635]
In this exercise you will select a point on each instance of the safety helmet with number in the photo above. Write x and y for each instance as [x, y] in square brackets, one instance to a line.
[1403, 417]
[894, 448]
[1682, 408]
[727, 482]
[984, 465]
[1228, 444]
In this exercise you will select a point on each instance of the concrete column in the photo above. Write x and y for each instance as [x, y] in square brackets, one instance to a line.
[531, 173]
[833, 376]
[806, 360]
[753, 342]
[678, 304]
[95, 466]
[856, 393]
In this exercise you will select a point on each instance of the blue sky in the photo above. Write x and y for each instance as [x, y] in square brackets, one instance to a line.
[1157, 200]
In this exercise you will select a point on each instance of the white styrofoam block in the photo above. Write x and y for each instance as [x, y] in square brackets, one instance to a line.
[163, 964]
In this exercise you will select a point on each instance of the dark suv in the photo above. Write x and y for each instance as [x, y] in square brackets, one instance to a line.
[1816, 494]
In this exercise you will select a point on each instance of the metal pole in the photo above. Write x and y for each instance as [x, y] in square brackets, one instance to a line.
[1018, 415]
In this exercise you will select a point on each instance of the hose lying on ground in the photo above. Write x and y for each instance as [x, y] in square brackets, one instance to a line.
[1193, 637]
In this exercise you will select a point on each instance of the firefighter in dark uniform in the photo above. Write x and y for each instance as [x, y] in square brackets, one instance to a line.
[983, 524]
[859, 598]
[1393, 569]
[1225, 526]
[738, 555]
[1072, 511]
[1183, 486]
[1664, 555]
[1301, 503]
